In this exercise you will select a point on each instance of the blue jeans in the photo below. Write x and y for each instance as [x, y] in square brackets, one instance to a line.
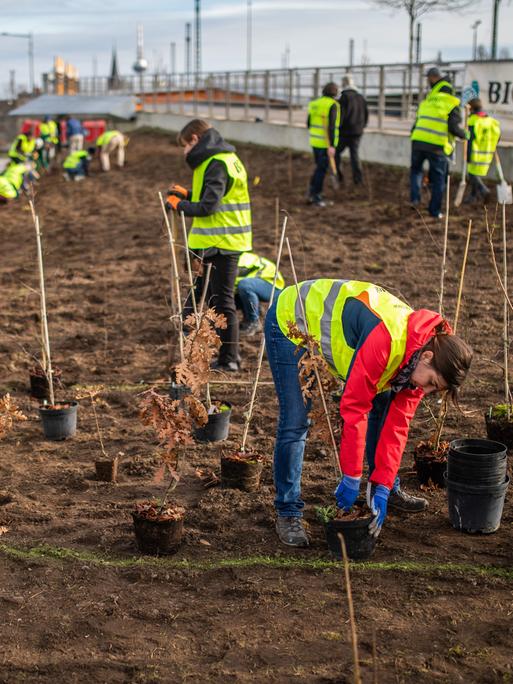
[321, 166]
[251, 292]
[438, 169]
[293, 418]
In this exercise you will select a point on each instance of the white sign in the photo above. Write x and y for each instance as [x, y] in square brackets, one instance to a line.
[493, 84]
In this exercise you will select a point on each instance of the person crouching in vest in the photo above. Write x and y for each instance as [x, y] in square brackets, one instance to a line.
[389, 357]
[254, 284]
[437, 123]
[76, 164]
[15, 179]
[220, 208]
[485, 133]
[108, 142]
[323, 125]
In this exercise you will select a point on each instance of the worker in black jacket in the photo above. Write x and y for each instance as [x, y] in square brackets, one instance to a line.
[354, 115]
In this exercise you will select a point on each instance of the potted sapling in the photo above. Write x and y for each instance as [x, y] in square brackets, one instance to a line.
[158, 524]
[354, 527]
[106, 467]
[59, 419]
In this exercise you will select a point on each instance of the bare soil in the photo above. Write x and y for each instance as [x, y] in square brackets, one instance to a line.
[79, 604]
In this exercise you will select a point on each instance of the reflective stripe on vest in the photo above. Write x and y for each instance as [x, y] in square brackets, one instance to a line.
[250, 265]
[431, 125]
[230, 226]
[324, 301]
[319, 112]
[487, 132]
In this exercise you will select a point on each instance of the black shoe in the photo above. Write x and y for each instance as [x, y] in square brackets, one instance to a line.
[402, 501]
[230, 367]
[250, 328]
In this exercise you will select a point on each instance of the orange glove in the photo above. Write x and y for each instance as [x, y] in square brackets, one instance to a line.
[178, 191]
[173, 201]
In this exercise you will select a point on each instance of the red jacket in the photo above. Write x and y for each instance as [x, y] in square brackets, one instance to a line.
[367, 368]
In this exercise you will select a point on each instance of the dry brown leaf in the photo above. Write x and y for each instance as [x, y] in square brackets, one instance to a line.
[9, 414]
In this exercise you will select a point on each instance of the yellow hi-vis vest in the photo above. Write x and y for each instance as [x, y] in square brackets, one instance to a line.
[11, 180]
[74, 159]
[49, 131]
[432, 125]
[318, 112]
[230, 226]
[251, 265]
[106, 137]
[487, 132]
[324, 301]
[27, 147]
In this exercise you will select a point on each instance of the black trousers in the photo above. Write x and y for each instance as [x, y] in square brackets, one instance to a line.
[221, 296]
[353, 142]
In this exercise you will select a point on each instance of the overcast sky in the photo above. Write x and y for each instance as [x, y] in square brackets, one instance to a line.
[317, 31]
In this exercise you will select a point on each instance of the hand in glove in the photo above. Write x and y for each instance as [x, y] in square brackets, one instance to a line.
[173, 201]
[178, 191]
[377, 501]
[347, 492]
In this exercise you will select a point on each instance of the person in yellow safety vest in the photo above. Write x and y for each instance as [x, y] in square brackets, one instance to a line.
[14, 179]
[221, 226]
[254, 284]
[438, 122]
[23, 148]
[49, 133]
[485, 132]
[108, 142]
[76, 164]
[389, 357]
[323, 125]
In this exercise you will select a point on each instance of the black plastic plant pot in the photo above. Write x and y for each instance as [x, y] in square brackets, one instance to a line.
[39, 387]
[477, 462]
[359, 543]
[430, 470]
[218, 425]
[59, 422]
[178, 392]
[476, 509]
[500, 430]
[477, 476]
[157, 537]
[107, 470]
[240, 473]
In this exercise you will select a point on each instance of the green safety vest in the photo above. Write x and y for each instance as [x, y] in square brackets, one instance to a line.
[487, 132]
[324, 300]
[74, 159]
[432, 125]
[106, 137]
[318, 113]
[251, 265]
[49, 131]
[230, 226]
[27, 146]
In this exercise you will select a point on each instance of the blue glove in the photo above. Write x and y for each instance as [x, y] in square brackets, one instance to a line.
[377, 501]
[347, 491]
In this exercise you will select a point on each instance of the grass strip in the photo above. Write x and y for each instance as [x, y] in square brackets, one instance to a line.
[46, 552]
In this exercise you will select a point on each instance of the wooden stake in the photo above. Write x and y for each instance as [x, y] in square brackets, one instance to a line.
[338, 470]
[188, 261]
[249, 412]
[352, 621]
[46, 338]
[276, 221]
[44, 362]
[507, 399]
[444, 254]
[176, 276]
[205, 287]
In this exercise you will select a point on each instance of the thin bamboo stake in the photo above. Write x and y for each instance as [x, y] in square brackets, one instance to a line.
[507, 400]
[44, 362]
[249, 412]
[205, 287]
[188, 261]
[338, 469]
[444, 254]
[276, 221]
[98, 427]
[357, 678]
[489, 233]
[176, 277]
[49, 371]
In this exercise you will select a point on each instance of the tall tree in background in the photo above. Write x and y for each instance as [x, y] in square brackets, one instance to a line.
[415, 9]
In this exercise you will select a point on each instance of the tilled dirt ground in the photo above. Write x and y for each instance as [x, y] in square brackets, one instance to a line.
[77, 601]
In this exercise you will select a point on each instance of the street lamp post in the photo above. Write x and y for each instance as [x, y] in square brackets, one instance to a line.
[474, 41]
[30, 38]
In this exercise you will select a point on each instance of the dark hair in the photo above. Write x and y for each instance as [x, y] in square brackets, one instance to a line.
[330, 89]
[195, 127]
[451, 358]
[475, 104]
